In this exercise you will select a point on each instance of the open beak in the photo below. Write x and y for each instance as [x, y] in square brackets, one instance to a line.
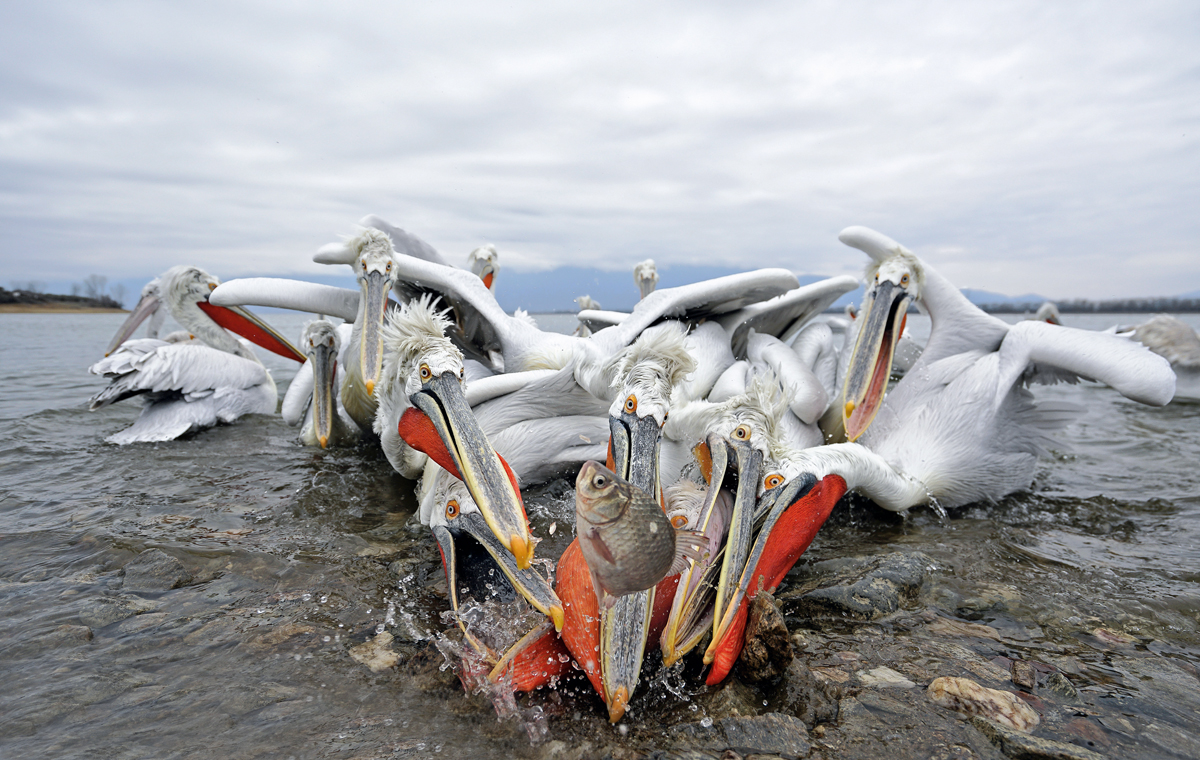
[488, 275]
[440, 423]
[741, 530]
[797, 511]
[370, 349]
[882, 319]
[251, 327]
[691, 609]
[324, 361]
[145, 307]
[467, 566]
[625, 628]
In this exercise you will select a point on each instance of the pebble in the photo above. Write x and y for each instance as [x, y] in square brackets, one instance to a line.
[376, 653]
[1023, 675]
[884, 678]
[966, 696]
[768, 650]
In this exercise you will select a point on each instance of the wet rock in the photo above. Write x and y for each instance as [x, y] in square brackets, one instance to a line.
[1161, 677]
[62, 637]
[734, 699]
[1173, 739]
[770, 734]
[879, 591]
[106, 610]
[376, 653]
[1086, 732]
[957, 628]
[988, 597]
[1059, 686]
[768, 650]
[884, 678]
[1023, 675]
[155, 570]
[806, 695]
[968, 697]
[1020, 745]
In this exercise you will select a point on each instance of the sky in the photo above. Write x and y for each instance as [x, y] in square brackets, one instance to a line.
[1016, 147]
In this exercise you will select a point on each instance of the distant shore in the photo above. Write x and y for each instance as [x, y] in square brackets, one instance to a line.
[29, 302]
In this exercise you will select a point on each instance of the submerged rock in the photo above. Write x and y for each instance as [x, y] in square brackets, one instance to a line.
[768, 650]
[376, 653]
[966, 696]
[878, 591]
[155, 570]
[106, 610]
[807, 695]
[770, 734]
[1020, 745]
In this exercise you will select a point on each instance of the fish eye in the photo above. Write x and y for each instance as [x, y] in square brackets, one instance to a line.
[678, 521]
[631, 404]
[773, 480]
[742, 433]
[599, 481]
[451, 509]
[426, 373]
[904, 279]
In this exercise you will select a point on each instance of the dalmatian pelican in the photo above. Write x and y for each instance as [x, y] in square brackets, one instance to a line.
[484, 261]
[312, 400]
[645, 276]
[194, 383]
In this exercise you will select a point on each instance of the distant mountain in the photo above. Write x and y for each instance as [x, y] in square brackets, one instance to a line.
[982, 297]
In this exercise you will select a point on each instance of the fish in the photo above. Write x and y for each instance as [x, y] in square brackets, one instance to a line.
[627, 541]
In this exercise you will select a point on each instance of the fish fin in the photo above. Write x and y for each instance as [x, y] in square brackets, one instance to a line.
[690, 545]
[601, 548]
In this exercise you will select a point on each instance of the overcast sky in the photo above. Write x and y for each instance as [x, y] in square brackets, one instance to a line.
[1017, 147]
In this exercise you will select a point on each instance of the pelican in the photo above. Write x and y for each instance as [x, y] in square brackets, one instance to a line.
[194, 383]
[1048, 312]
[484, 261]
[1176, 342]
[323, 421]
[645, 276]
[961, 426]
[423, 411]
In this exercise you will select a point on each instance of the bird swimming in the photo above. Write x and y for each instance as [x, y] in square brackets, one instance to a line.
[196, 383]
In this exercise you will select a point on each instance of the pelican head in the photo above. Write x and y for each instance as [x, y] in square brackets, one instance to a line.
[460, 530]
[423, 374]
[643, 376]
[892, 283]
[320, 342]
[485, 262]
[645, 276]
[372, 259]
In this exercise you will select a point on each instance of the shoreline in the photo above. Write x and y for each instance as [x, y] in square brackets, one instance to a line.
[54, 308]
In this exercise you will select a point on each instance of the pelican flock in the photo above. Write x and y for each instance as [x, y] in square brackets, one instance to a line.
[723, 401]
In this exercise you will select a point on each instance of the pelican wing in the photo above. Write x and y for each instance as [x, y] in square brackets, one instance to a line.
[1130, 368]
[296, 401]
[288, 294]
[192, 370]
[699, 300]
[784, 315]
[598, 319]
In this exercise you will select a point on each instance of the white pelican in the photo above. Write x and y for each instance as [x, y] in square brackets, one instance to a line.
[192, 384]
[961, 426]
[484, 261]
[1178, 343]
[312, 400]
[1048, 312]
[423, 411]
[645, 276]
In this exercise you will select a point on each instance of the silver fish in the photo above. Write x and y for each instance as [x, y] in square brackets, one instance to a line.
[627, 541]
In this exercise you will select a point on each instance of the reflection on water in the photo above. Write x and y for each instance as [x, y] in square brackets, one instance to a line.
[293, 557]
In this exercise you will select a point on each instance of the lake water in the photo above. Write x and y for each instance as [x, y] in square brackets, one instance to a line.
[297, 555]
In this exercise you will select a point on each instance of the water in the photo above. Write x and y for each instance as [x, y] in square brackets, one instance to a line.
[299, 555]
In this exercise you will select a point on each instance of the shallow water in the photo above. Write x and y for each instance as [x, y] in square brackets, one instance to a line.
[296, 555]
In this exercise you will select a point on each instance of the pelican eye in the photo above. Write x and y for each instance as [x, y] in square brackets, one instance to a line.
[742, 433]
[904, 280]
[388, 268]
[631, 404]
[451, 509]
[462, 374]
[426, 373]
[773, 480]
[678, 521]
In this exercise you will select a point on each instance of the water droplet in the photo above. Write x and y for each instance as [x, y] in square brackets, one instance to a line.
[326, 639]
[298, 657]
[706, 722]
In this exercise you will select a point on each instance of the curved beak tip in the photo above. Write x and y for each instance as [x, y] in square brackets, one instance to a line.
[324, 441]
[370, 387]
[522, 550]
[850, 408]
[616, 706]
[558, 617]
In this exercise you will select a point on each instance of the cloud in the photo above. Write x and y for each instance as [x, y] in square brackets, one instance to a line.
[1024, 147]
